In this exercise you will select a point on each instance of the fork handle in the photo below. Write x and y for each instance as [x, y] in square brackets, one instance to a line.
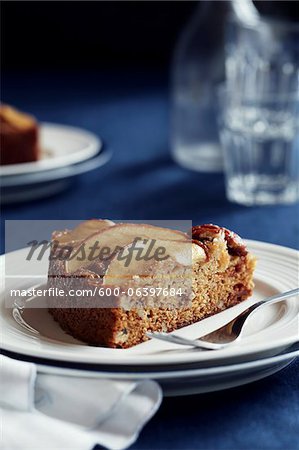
[276, 298]
[238, 325]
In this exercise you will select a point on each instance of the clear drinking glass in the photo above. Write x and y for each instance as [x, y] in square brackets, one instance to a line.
[262, 57]
[259, 115]
[260, 141]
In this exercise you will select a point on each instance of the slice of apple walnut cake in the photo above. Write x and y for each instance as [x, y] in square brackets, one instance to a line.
[148, 279]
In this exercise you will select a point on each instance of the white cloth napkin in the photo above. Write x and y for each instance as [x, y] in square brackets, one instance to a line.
[42, 411]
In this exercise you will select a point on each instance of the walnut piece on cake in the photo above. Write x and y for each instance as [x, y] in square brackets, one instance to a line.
[210, 269]
[18, 136]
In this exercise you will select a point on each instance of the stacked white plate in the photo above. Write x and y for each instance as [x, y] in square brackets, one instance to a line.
[65, 152]
[270, 342]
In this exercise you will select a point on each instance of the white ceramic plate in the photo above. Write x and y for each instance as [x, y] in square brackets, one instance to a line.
[268, 332]
[35, 185]
[191, 381]
[61, 146]
[194, 381]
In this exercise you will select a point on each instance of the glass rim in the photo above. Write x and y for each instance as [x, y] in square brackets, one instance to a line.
[254, 19]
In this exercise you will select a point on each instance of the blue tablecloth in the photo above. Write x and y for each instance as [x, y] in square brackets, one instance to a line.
[129, 111]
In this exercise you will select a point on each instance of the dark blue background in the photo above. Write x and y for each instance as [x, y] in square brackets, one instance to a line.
[130, 111]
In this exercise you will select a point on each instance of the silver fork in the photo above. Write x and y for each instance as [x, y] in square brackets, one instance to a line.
[228, 333]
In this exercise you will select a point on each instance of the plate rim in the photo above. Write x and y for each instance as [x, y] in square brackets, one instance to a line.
[222, 369]
[144, 360]
[47, 368]
[55, 175]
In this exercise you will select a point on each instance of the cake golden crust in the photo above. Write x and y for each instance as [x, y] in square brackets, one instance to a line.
[221, 279]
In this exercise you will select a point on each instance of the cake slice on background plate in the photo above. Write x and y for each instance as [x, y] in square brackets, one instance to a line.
[202, 274]
[19, 136]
